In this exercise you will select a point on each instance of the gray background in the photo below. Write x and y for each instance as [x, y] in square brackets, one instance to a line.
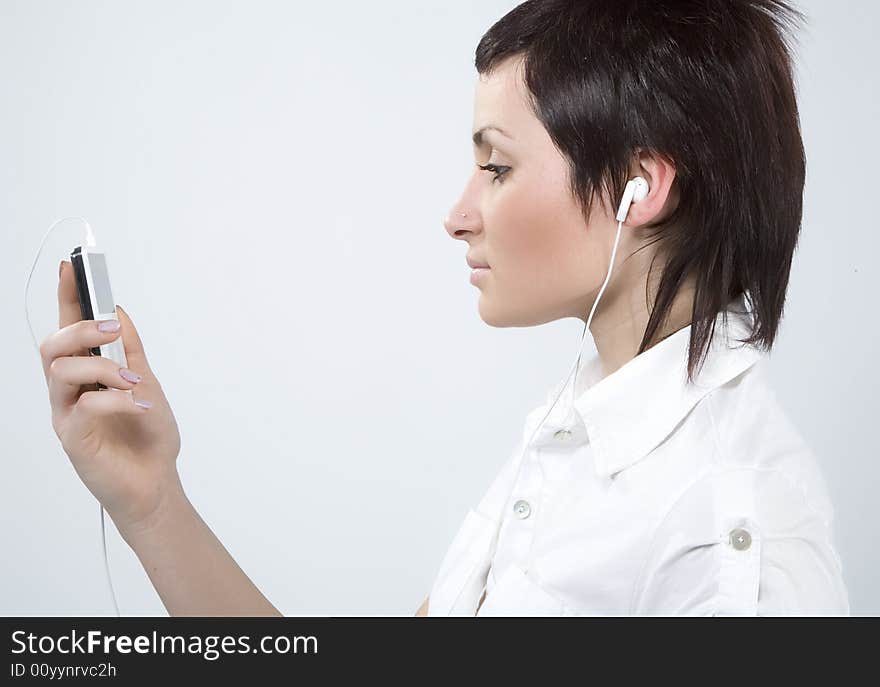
[269, 180]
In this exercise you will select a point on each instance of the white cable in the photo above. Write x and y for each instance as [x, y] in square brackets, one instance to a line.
[574, 369]
[107, 564]
[90, 241]
[595, 303]
[89, 233]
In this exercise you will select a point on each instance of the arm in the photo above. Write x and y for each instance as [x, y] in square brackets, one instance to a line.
[192, 572]
[743, 541]
[423, 609]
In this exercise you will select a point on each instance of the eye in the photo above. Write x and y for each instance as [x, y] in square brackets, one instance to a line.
[500, 171]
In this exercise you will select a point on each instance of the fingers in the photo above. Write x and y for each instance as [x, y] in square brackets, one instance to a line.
[74, 340]
[134, 349]
[68, 301]
[67, 374]
[69, 312]
[105, 403]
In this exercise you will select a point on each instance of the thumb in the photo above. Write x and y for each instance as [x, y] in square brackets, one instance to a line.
[134, 349]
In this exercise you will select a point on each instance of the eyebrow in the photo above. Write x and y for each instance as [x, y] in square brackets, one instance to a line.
[478, 135]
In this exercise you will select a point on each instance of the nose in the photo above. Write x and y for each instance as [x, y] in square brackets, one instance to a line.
[460, 223]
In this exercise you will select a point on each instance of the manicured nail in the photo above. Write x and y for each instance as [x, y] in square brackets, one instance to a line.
[143, 404]
[109, 326]
[131, 376]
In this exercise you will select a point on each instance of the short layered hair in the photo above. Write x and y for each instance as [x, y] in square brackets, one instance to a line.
[707, 85]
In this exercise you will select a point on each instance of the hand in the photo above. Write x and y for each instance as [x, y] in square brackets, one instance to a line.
[125, 454]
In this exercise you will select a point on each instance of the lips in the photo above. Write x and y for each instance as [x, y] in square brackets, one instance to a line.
[474, 263]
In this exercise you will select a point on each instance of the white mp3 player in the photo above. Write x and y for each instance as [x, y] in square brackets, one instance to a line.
[96, 299]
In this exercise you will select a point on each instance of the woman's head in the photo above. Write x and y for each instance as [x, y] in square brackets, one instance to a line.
[695, 96]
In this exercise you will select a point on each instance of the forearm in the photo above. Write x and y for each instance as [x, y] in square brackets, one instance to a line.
[191, 570]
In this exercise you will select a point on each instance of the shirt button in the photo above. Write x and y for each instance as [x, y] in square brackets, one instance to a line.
[740, 539]
[522, 509]
[562, 434]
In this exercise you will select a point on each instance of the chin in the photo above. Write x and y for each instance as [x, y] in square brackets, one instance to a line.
[490, 315]
[498, 317]
[495, 316]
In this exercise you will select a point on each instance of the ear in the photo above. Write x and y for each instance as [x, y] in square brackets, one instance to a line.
[659, 172]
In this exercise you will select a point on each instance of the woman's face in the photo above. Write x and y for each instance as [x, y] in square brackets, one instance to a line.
[545, 262]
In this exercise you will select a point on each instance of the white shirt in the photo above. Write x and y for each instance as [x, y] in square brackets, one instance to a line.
[664, 499]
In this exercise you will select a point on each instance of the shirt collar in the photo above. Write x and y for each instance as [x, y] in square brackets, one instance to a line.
[626, 414]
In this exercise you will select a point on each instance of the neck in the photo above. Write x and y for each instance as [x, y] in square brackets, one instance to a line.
[621, 318]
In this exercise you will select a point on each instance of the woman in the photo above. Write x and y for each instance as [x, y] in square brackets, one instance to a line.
[672, 483]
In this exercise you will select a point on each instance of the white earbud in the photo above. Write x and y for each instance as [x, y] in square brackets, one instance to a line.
[636, 190]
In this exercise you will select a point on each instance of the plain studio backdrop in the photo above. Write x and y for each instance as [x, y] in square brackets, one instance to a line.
[269, 181]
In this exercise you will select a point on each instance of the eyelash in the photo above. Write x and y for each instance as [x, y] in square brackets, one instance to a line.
[500, 171]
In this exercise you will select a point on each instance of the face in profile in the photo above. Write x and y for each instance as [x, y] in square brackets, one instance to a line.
[545, 262]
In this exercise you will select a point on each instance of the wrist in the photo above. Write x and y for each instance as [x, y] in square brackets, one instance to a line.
[171, 509]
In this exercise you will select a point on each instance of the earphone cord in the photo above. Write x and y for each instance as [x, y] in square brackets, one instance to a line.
[574, 385]
[576, 366]
[89, 241]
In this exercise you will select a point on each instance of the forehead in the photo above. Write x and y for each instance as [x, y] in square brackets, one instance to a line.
[500, 99]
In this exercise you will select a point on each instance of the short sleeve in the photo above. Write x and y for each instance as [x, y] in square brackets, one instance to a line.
[744, 542]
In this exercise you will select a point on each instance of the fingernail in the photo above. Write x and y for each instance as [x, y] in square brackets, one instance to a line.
[143, 404]
[131, 376]
[109, 326]
[60, 268]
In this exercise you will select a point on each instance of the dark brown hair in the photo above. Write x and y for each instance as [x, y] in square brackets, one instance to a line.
[708, 85]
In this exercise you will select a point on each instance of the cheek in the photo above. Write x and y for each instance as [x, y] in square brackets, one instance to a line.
[537, 235]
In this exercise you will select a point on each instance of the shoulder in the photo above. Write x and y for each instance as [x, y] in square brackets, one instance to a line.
[752, 534]
[756, 438]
